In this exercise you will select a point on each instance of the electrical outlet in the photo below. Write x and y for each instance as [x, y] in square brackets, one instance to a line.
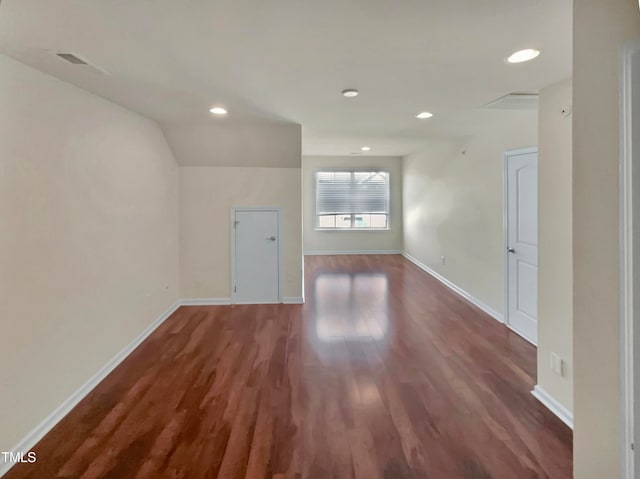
[443, 260]
[557, 364]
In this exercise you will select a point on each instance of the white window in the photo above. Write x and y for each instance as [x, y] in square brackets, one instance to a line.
[352, 200]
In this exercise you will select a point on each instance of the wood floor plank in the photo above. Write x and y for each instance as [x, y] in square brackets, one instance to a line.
[383, 373]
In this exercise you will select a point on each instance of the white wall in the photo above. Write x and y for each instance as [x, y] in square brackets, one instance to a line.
[207, 195]
[452, 200]
[88, 239]
[555, 248]
[599, 30]
[345, 241]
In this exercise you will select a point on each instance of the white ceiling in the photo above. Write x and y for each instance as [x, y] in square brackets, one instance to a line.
[286, 61]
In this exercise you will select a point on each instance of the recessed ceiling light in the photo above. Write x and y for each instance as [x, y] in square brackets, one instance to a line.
[350, 93]
[218, 111]
[424, 115]
[366, 148]
[523, 55]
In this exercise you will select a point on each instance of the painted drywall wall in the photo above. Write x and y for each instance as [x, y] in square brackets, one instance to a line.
[555, 248]
[226, 142]
[600, 30]
[88, 242]
[452, 201]
[207, 195]
[344, 241]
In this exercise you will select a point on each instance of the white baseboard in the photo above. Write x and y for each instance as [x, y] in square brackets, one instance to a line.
[375, 251]
[63, 409]
[248, 303]
[553, 405]
[484, 307]
[205, 302]
[293, 300]
[227, 301]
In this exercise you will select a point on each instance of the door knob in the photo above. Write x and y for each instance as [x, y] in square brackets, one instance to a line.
[271, 238]
[511, 250]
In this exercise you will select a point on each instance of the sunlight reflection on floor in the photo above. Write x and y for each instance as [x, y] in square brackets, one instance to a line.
[351, 307]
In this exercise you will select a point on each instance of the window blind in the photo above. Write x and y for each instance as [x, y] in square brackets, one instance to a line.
[352, 192]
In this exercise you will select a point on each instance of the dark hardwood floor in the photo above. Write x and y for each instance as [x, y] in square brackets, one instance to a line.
[383, 373]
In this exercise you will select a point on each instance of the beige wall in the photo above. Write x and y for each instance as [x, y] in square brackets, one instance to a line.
[207, 195]
[600, 29]
[226, 142]
[344, 241]
[88, 239]
[452, 200]
[555, 249]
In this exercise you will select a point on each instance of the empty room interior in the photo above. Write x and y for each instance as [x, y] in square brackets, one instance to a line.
[310, 240]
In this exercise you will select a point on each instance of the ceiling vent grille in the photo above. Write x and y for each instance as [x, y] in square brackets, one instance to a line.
[75, 60]
[515, 101]
[71, 58]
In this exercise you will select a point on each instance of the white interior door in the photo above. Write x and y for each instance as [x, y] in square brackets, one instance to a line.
[633, 297]
[630, 260]
[522, 243]
[256, 256]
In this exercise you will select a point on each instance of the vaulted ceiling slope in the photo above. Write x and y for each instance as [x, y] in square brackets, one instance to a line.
[286, 61]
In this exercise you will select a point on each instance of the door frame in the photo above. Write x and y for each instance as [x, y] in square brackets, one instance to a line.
[626, 186]
[505, 228]
[235, 209]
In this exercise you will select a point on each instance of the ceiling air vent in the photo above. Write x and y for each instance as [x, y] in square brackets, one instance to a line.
[71, 58]
[79, 61]
[515, 101]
